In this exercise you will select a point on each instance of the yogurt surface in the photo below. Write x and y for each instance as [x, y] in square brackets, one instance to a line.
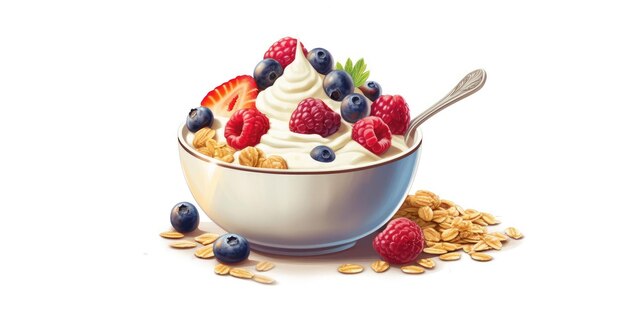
[299, 81]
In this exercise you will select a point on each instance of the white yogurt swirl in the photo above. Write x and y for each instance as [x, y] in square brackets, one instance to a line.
[299, 81]
[277, 102]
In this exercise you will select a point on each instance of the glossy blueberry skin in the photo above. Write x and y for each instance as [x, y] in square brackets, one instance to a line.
[354, 107]
[338, 84]
[323, 154]
[321, 60]
[371, 90]
[184, 217]
[231, 248]
[199, 118]
[267, 72]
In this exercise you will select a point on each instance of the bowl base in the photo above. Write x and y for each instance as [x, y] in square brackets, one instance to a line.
[302, 252]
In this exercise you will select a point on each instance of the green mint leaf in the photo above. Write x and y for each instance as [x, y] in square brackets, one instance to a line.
[361, 79]
[348, 67]
[356, 70]
[358, 67]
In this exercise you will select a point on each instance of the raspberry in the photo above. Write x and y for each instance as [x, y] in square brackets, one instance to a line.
[284, 51]
[401, 242]
[245, 128]
[394, 111]
[373, 134]
[313, 116]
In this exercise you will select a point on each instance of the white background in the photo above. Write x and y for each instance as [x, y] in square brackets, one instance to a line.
[91, 95]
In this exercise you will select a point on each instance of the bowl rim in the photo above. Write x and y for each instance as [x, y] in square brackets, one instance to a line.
[190, 150]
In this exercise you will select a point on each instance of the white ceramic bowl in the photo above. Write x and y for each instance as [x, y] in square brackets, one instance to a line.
[299, 212]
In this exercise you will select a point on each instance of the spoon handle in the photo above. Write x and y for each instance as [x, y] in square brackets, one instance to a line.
[471, 83]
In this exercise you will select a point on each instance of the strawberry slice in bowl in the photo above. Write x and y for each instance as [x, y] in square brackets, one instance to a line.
[231, 96]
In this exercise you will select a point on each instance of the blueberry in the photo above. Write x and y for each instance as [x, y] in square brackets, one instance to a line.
[338, 84]
[231, 248]
[321, 60]
[199, 118]
[184, 217]
[371, 90]
[267, 72]
[354, 107]
[323, 154]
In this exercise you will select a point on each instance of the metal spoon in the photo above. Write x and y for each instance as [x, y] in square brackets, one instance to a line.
[470, 84]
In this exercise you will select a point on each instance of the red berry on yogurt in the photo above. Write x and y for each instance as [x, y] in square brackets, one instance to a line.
[245, 128]
[313, 116]
[237, 93]
[394, 111]
[373, 134]
[284, 51]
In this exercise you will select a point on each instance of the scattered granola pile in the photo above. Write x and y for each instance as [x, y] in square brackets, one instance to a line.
[206, 252]
[447, 228]
[205, 143]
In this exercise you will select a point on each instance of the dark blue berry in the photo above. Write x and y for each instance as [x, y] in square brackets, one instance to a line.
[338, 84]
[184, 217]
[371, 90]
[267, 72]
[354, 107]
[321, 60]
[231, 248]
[323, 154]
[199, 118]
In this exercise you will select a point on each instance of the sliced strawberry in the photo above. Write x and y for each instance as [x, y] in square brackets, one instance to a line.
[235, 94]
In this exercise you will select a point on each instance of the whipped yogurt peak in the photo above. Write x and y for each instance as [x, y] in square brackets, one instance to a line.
[298, 82]
[300, 61]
